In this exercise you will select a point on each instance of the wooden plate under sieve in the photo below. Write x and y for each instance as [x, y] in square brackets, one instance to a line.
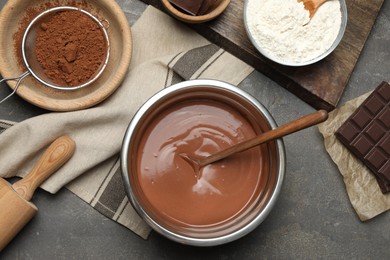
[59, 100]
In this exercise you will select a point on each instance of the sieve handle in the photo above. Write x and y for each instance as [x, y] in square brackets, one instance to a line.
[19, 80]
[105, 23]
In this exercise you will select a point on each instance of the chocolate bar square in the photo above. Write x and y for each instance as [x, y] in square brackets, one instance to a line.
[194, 7]
[190, 6]
[366, 133]
[207, 6]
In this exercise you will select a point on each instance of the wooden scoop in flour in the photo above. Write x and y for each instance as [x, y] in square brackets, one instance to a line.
[15, 208]
[312, 5]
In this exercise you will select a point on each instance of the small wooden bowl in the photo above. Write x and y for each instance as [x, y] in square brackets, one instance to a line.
[119, 33]
[182, 16]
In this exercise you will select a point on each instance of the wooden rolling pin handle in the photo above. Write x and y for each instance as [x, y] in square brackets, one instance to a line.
[52, 159]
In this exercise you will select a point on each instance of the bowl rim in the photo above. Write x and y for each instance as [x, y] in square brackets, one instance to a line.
[195, 18]
[281, 161]
[339, 37]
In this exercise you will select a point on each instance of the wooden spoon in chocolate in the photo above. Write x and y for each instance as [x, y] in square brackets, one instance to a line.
[286, 129]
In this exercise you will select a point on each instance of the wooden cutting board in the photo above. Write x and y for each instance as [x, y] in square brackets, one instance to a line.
[321, 84]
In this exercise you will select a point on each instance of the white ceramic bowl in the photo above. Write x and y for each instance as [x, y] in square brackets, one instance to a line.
[273, 57]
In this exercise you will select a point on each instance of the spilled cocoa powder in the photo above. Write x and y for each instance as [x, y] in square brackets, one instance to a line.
[32, 12]
[70, 47]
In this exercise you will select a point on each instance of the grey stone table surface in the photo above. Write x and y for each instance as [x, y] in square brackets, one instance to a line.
[312, 219]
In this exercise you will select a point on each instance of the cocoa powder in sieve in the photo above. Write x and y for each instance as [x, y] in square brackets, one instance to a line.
[70, 47]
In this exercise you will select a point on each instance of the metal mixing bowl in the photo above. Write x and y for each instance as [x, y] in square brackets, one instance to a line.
[264, 199]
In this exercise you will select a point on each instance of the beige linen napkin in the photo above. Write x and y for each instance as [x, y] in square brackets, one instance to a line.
[361, 185]
[165, 52]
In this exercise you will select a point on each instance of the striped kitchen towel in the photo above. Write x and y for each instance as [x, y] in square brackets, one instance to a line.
[165, 52]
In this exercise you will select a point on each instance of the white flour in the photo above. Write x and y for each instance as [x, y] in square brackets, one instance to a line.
[281, 28]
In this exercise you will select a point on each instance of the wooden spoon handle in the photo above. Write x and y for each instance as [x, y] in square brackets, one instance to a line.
[289, 128]
[52, 159]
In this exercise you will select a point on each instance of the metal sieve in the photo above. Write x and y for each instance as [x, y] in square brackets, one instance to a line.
[31, 62]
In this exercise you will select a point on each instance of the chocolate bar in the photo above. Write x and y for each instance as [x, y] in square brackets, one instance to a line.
[366, 133]
[190, 6]
[207, 6]
[194, 7]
